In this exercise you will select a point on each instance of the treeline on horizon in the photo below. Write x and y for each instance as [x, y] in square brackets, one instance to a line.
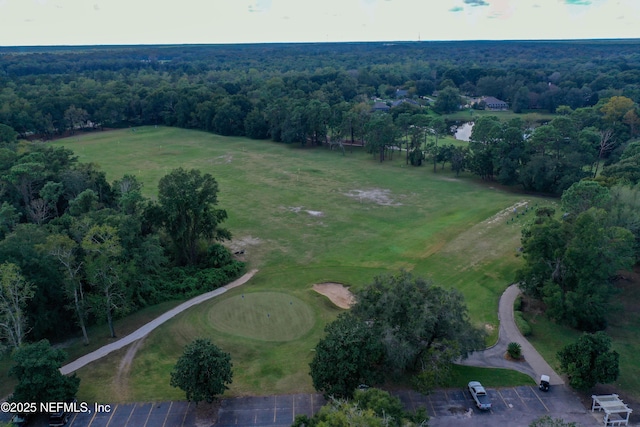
[322, 92]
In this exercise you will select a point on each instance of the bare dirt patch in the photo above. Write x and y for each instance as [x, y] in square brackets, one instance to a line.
[227, 158]
[503, 214]
[241, 243]
[378, 196]
[337, 293]
[298, 209]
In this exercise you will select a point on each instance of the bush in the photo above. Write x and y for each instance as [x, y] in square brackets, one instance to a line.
[522, 324]
[517, 304]
[514, 350]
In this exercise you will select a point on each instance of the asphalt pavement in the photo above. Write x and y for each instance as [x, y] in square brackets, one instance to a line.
[493, 357]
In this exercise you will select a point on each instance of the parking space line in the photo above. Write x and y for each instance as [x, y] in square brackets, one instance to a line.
[504, 401]
[168, 412]
[73, 419]
[432, 407]
[536, 394]
[92, 418]
[521, 400]
[131, 413]
[148, 415]
[275, 409]
[112, 412]
[186, 411]
[293, 411]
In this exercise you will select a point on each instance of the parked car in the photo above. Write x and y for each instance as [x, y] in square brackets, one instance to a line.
[480, 395]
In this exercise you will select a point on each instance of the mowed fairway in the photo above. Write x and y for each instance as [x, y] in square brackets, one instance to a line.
[305, 216]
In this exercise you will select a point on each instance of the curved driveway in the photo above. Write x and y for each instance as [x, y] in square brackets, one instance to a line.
[533, 365]
[144, 330]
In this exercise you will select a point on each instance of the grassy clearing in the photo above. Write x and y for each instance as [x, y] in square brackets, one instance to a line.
[309, 215]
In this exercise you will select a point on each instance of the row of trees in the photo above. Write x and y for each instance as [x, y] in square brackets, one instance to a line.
[588, 142]
[76, 247]
[551, 157]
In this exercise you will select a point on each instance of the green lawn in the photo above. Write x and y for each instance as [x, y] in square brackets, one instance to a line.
[304, 216]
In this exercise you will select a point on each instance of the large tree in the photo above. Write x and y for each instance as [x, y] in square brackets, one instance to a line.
[37, 369]
[415, 318]
[64, 250]
[448, 101]
[187, 200]
[589, 361]
[102, 245]
[381, 134]
[349, 354]
[584, 195]
[203, 371]
[570, 263]
[15, 292]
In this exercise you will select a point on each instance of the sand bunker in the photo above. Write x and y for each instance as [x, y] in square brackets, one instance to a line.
[337, 293]
[375, 195]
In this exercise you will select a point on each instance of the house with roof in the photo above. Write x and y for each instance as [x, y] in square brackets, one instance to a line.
[380, 106]
[493, 103]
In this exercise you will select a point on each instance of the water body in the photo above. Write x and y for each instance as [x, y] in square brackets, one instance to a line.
[463, 133]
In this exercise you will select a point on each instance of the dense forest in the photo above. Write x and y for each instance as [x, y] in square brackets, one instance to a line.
[69, 234]
[322, 93]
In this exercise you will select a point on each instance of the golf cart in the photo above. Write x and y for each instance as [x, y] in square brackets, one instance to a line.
[544, 383]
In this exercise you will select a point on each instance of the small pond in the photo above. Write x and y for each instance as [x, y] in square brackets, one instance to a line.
[463, 132]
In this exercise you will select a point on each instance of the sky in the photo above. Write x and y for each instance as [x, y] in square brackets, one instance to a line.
[99, 22]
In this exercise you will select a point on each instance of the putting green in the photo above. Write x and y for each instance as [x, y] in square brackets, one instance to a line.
[265, 316]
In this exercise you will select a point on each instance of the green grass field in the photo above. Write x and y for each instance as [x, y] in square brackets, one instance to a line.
[305, 216]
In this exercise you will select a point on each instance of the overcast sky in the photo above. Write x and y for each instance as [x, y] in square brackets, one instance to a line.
[89, 22]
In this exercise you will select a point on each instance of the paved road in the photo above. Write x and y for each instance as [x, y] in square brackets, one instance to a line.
[146, 329]
[534, 365]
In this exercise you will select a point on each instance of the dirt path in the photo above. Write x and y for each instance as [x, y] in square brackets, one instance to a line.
[146, 329]
[121, 380]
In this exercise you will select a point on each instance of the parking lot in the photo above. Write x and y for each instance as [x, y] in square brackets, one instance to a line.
[513, 406]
